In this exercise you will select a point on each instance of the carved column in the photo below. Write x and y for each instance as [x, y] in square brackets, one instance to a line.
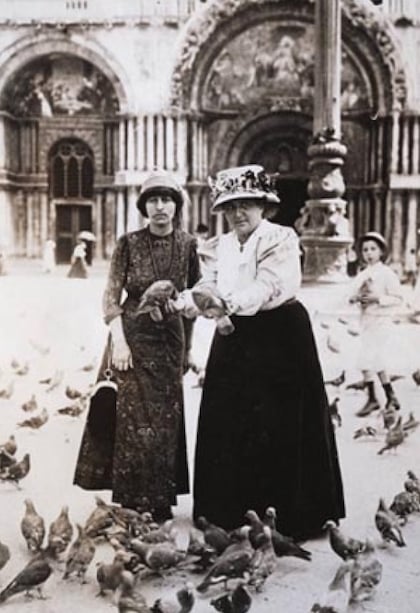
[324, 227]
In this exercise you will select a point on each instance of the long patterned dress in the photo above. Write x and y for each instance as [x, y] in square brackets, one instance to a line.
[146, 465]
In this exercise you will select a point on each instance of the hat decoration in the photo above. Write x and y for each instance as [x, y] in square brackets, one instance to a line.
[242, 182]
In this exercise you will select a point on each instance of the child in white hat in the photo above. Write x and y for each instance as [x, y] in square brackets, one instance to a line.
[376, 289]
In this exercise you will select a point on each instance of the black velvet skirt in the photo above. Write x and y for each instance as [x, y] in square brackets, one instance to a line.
[265, 436]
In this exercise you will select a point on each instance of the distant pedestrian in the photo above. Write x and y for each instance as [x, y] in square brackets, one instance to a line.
[78, 268]
[2, 262]
[376, 289]
[48, 256]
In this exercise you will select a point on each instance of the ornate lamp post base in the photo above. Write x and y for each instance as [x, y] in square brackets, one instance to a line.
[325, 258]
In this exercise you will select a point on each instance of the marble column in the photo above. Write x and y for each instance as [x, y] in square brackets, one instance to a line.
[120, 225]
[411, 232]
[133, 215]
[397, 229]
[324, 227]
[99, 253]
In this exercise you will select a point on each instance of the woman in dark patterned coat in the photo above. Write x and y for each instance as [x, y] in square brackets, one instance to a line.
[146, 464]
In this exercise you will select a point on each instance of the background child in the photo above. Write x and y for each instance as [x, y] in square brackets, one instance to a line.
[376, 289]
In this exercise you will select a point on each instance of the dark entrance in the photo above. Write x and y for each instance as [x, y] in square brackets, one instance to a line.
[292, 194]
[70, 220]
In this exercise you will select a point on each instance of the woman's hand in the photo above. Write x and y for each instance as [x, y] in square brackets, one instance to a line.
[121, 357]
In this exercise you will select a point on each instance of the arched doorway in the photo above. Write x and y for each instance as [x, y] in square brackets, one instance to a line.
[71, 179]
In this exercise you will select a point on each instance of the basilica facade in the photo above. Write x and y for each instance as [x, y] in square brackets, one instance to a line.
[93, 96]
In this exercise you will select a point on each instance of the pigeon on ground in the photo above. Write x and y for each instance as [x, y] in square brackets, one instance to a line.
[333, 344]
[345, 547]
[387, 525]
[264, 561]
[4, 555]
[55, 380]
[80, 555]
[338, 381]
[324, 325]
[7, 391]
[182, 603]
[343, 320]
[36, 421]
[99, 520]
[238, 601]
[283, 545]
[130, 600]
[358, 386]
[10, 445]
[270, 518]
[412, 484]
[213, 306]
[89, 366]
[411, 423]
[22, 369]
[405, 503]
[394, 437]
[367, 431]
[234, 562]
[60, 533]
[30, 405]
[416, 376]
[32, 527]
[365, 574]
[215, 537]
[257, 527]
[337, 598]
[159, 556]
[17, 471]
[33, 576]
[334, 412]
[73, 410]
[72, 392]
[109, 575]
[6, 459]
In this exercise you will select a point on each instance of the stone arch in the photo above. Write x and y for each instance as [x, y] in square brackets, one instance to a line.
[14, 57]
[367, 36]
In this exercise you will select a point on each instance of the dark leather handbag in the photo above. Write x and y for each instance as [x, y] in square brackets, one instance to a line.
[102, 415]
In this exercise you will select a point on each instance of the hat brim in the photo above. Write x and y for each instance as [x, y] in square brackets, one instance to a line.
[265, 197]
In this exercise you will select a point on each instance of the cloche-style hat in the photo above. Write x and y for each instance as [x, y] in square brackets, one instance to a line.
[377, 237]
[157, 183]
[241, 183]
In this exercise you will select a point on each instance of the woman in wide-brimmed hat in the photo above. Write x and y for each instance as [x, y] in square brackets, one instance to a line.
[146, 465]
[264, 436]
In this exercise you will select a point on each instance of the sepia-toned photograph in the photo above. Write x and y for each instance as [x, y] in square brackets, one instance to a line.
[210, 306]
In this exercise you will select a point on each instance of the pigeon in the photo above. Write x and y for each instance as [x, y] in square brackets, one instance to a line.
[345, 547]
[7, 392]
[155, 297]
[334, 413]
[159, 556]
[109, 575]
[72, 393]
[36, 421]
[6, 459]
[184, 603]
[217, 538]
[365, 574]
[234, 562]
[405, 503]
[32, 527]
[99, 520]
[264, 561]
[333, 344]
[10, 445]
[337, 598]
[411, 423]
[22, 369]
[324, 325]
[394, 437]
[60, 533]
[394, 378]
[55, 380]
[343, 320]
[257, 527]
[368, 431]
[17, 471]
[4, 555]
[270, 518]
[282, 545]
[353, 331]
[73, 410]
[30, 405]
[338, 381]
[387, 525]
[33, 576]
[238, 601]
[358, 386]
[212, 306]
[80, 555]
[89, 366]
[416, 376]
[129, 600]
[412, 484]
[389, 416]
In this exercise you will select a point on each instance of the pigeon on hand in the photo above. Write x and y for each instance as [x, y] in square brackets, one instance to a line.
[238, 601]
[36, 421]
[264, 561]
[10, 445]
[394, 437]
[211, 305]
[217, 538]
[130, 601]
[80, 555]
[30, 405]
[234, 562]
[4, 555]
[334, 412]
[368, 431]
[33, 576]
[345, 547]
[17, 471]
[387, 525]
[338, 381]
[32, 527]
[60, 533]
[184, 602]
[109, 575]
[365, 574]
[336, 600]
[405, 503]
[155, 297]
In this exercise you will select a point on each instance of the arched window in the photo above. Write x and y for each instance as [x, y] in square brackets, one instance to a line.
[72, 170]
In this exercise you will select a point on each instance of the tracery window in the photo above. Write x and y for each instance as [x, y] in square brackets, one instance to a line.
[72, 170]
